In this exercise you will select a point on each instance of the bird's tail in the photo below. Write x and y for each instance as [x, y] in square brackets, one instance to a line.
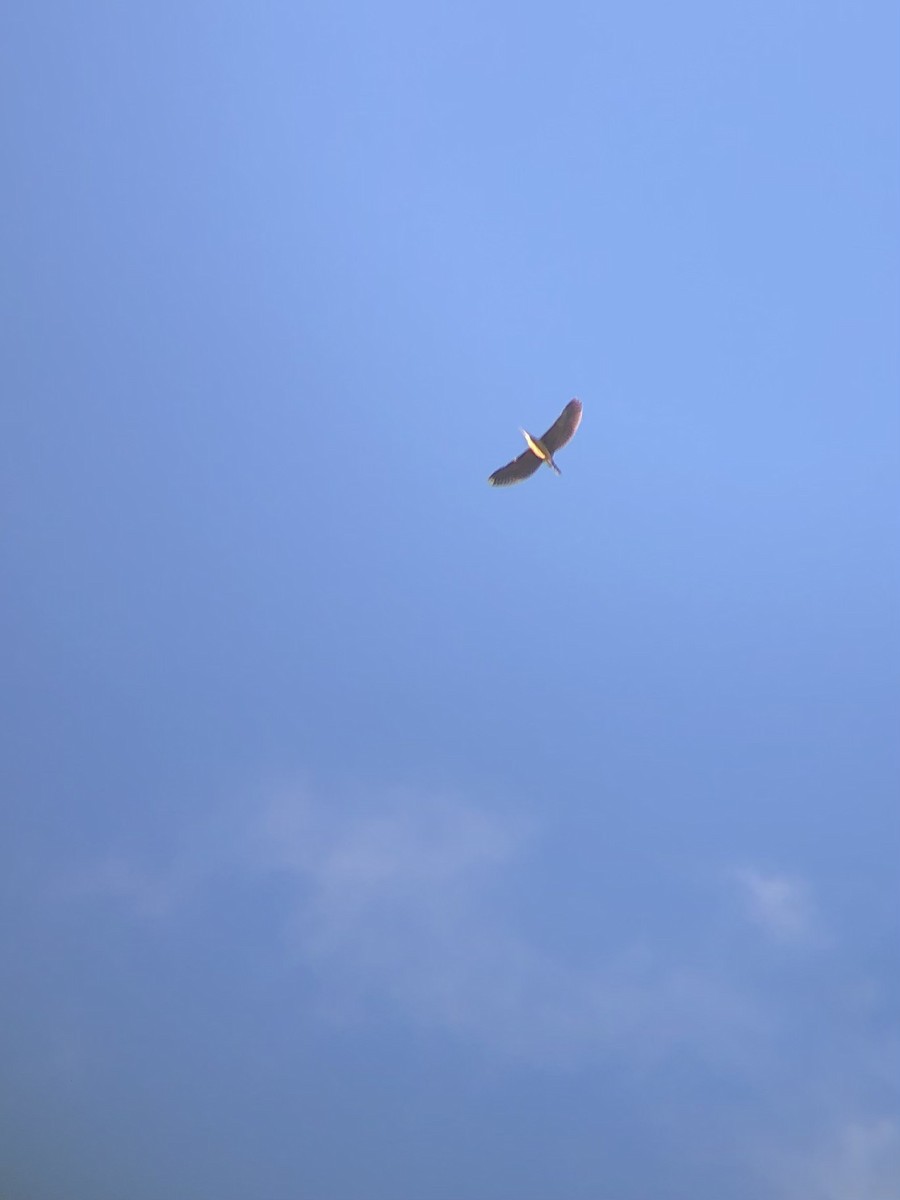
[551, 463]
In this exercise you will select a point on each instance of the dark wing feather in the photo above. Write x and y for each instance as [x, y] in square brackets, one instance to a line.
[563, 428]
[520, 468]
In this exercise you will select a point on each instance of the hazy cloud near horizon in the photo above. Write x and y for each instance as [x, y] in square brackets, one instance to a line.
[411, 899]
[413, 902]
[402, 906]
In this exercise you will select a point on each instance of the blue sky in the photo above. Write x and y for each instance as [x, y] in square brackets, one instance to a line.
[371, 833]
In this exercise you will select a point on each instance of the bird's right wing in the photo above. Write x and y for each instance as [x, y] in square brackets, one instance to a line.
[563, 428]
[520, 468]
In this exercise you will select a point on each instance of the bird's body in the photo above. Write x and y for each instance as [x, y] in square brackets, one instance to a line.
[541, 449]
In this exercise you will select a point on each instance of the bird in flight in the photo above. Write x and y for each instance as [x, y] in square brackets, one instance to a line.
[541, 449]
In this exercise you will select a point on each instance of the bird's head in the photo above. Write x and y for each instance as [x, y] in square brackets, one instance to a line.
[532, 443]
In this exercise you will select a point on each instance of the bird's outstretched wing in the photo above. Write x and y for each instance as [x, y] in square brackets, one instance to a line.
[563, 428]
[520, 468]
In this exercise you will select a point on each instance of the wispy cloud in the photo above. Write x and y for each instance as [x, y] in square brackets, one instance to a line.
[414, 903]
[424, 906]
[859, 1159]
[780, 905]
[409, 900]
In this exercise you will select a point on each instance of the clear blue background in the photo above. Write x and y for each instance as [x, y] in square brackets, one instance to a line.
[367, 832]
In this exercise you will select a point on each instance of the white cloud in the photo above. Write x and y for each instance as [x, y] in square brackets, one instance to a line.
[409, 900]
[779, 904]
[858, 1160]
[412, 903]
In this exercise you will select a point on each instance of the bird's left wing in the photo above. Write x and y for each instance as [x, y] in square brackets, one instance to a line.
[520, 468]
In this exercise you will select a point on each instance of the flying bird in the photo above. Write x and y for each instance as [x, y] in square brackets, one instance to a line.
[541, 449]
